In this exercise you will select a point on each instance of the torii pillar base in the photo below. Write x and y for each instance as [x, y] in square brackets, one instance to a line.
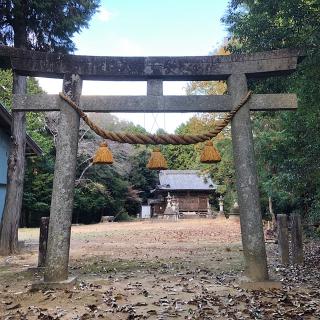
[260, 285]
[58, 285]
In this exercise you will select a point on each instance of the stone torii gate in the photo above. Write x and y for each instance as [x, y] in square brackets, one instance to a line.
[236, 69]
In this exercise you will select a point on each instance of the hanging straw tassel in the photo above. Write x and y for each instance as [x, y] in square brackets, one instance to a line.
[210, 154]
[103, 155]
[157, 161]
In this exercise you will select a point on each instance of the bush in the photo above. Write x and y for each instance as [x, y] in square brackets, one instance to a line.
[122, 216]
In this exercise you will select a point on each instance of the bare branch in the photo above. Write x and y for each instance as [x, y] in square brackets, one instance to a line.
[82, 173]
[83, 162]
[84, 134]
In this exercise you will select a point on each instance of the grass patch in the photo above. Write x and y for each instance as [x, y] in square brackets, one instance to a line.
[11, 275]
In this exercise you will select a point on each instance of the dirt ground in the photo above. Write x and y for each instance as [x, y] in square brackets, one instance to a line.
[189, 269]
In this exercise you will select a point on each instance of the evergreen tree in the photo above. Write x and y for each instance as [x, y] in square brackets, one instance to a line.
[39, 25]
[287, 143]
[44, 25]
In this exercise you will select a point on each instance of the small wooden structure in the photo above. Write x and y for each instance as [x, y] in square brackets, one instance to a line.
[188, 188]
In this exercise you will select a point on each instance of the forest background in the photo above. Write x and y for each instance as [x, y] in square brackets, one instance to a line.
[287, 144]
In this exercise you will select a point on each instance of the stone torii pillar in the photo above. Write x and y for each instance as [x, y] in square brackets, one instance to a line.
[233, 68]
[57, 258]
[247, 184]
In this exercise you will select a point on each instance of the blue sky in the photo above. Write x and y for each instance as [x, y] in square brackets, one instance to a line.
[149, 28]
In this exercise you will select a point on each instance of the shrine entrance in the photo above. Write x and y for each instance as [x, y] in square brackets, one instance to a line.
[235, 69]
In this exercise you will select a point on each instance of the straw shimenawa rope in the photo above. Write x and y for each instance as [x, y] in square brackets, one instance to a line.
[155, 139]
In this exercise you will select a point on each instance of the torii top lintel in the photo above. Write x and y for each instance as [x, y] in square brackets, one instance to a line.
[52, 65]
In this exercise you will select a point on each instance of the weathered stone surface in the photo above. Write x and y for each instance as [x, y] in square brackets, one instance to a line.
[156, 103]
[67, 284]
[283, 238]
[43, 240]
[63, 186]
[296, 239]
[247, 184]
[43, 64]
[155, 87]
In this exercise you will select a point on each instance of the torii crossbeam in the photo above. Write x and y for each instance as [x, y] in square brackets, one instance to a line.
[236, 69]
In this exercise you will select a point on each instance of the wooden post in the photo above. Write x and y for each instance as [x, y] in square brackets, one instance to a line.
[63, 185]
[283, 238]
[296, 239]
[43, 240]
[247, 184]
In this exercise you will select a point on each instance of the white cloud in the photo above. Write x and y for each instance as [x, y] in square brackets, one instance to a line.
[104, 15]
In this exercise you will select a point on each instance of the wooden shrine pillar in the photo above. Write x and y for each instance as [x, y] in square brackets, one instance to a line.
[63, 185]
[247, 184]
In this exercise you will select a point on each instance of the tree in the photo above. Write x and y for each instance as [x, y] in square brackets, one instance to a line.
[38, 178]
[39, 25]
[223, 172]
[287, 144]
[209, 87]
[188, 156]
[100, 190]
[269, 25]
[140, 177]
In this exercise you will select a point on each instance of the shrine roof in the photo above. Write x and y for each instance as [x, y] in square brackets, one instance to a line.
[5, 124]
[185, 180]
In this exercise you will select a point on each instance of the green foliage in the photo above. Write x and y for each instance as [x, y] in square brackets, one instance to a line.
[104, 190]
[89, 202]
[37, 189]
[267, 25]
[6, 87]
[181, 157]
[223, 173]
[140, 177]
[122, 216]
[101, 190]
[287, 143]
[39, 172]
[35, 120]
[185, 157]
[188, 157]
[46, 25]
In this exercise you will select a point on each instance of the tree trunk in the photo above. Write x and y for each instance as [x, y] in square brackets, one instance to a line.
[16, 164]
[273, 217]
[16, 161]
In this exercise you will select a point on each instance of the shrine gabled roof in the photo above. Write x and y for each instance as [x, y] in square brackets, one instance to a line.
[5, 123]
[185, 180]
